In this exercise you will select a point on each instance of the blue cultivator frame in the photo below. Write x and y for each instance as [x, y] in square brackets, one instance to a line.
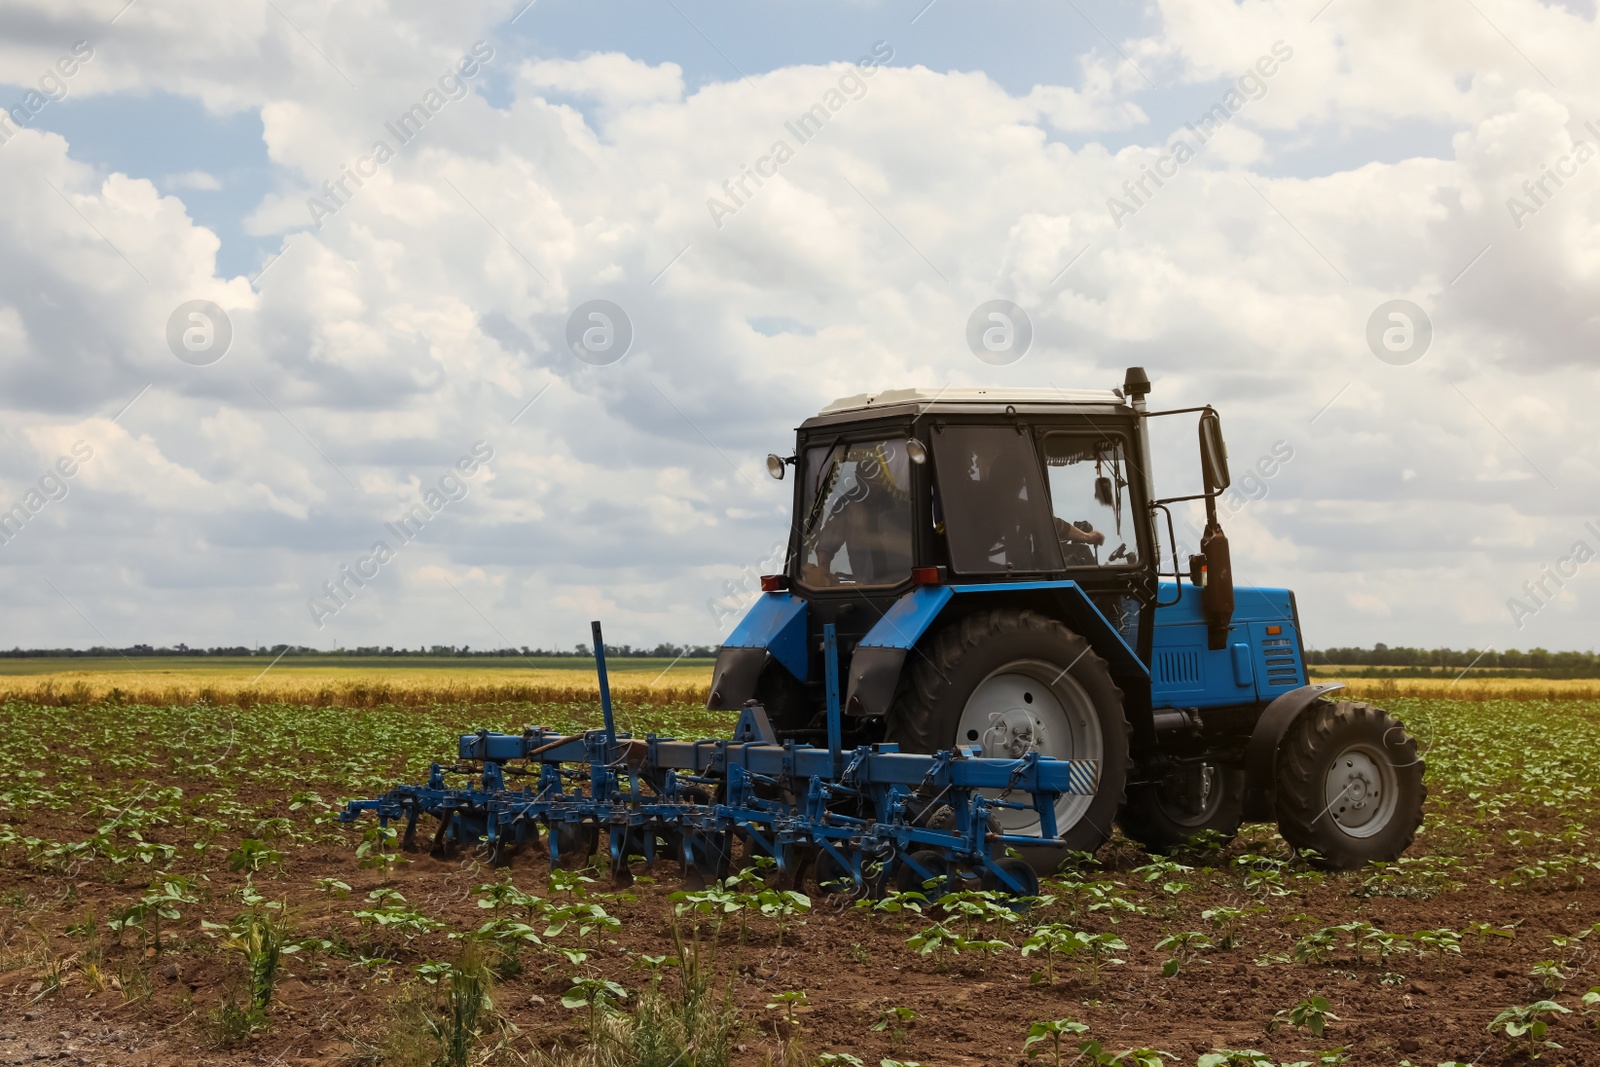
[874, 816]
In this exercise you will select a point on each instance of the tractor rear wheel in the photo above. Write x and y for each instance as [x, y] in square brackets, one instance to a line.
[1011, 682]
[1349, 785]
[1164, 815]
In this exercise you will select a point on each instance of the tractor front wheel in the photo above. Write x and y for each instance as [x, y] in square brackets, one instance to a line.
[1014, 682]
[1164, 815]
[1350, 785]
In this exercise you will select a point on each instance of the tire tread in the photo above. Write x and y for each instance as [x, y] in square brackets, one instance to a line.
[1301, 808]
[927, 683]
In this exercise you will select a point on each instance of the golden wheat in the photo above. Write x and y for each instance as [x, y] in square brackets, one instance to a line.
[421, 687]
[353, 689]
[1378, 690]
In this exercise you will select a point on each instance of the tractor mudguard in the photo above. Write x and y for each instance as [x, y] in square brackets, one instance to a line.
[1261, 758]
[874, 676]
[878, 660]
[875, 666]
[774, 626]
[734, 679]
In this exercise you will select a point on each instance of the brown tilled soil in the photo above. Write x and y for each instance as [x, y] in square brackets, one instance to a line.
[158, 1004]
[852, 966]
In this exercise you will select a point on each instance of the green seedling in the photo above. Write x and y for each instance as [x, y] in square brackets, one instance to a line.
[1228, 1057]
[1530, 1021]
[597, 995]
[895, 1019]
[1443, 941]
[790, 1002]
[1549, 975]
[895, 903]
[1317, 946]
[1051, 940]
[1184, 948]
[1227, 921]
[1100, 949]
[1311, 1014]
[1046, 1037]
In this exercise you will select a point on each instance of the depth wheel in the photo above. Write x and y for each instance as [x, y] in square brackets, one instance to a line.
[830, 876]
[1164, 815]
[1013, 682]
[907, 880]
[1021, 870]
[1350, 785]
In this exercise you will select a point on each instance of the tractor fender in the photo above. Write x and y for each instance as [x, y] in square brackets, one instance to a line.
[1261, 757]
[876, 664]
[879, 659]
[773, 629]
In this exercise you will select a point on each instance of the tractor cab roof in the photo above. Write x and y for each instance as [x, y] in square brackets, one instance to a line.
[969, 401]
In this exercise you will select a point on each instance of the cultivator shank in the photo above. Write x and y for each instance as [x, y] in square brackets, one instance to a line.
[872, 816]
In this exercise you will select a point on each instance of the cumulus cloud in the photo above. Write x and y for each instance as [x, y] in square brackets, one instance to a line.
[428, 311]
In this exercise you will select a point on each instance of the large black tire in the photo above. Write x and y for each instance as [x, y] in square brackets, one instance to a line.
[1159, 816]
[947, 671]
[1350, 785]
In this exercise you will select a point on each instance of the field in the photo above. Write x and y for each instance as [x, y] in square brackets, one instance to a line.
[352, 682]
[357, 682]
[156, 859]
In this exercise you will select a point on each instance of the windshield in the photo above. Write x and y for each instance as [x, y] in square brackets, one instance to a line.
[1088, 500]
[856, 514]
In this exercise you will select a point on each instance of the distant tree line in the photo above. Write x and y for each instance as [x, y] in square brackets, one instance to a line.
[662, 651]
[1382, 655]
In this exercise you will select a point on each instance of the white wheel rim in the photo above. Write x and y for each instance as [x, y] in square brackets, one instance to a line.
[1211, 796]
[1362, 790]
[1032, 706]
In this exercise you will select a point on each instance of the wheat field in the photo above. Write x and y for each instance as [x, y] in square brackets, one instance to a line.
[365, 684]
[417, 682]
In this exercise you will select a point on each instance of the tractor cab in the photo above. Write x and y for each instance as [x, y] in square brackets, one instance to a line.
[1001, 574]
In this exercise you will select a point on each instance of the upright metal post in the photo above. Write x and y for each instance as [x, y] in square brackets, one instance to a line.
[830, 659]
[605, 684]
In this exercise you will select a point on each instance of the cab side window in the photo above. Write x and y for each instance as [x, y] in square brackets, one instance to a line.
[1089, 500]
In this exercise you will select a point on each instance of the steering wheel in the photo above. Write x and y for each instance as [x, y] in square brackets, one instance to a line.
[1077, 554]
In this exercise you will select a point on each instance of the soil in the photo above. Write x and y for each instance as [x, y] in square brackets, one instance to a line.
[853, 964]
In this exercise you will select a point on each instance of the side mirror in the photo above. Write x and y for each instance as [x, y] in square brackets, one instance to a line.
[1213, 453]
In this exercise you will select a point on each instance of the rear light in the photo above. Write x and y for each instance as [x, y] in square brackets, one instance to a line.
[927, 575]
[774, 583]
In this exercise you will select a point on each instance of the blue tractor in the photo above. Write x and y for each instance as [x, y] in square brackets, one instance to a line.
[991, 562]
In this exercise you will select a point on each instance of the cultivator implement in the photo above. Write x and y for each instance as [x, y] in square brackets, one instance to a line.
[869, 819]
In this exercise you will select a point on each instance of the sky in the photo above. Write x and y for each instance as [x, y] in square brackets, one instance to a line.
[276, 274]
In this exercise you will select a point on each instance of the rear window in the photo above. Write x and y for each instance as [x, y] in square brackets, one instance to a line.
[856, 505]
[993, 501]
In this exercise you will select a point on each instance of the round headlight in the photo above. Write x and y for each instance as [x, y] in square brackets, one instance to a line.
[775, 466]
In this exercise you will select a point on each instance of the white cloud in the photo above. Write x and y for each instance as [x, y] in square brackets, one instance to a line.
[424, 314]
